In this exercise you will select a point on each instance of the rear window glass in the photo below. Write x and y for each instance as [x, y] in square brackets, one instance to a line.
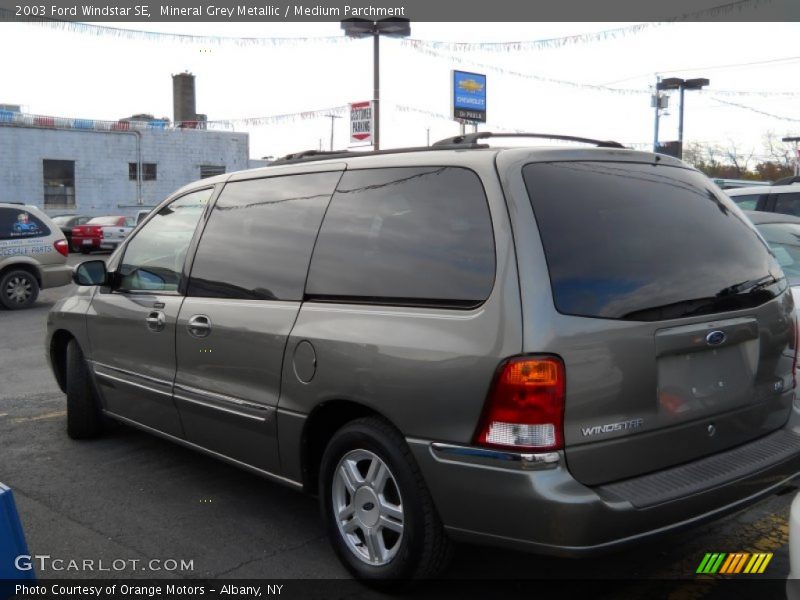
[645, 242]
[415, 236]
[104, 221]
[19, 223]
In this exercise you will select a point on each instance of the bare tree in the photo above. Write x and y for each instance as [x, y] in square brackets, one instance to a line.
[738, 159]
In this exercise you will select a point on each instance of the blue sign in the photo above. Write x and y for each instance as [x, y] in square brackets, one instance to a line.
[469, 96]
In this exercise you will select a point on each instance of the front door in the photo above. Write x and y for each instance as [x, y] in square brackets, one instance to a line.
[131, 323]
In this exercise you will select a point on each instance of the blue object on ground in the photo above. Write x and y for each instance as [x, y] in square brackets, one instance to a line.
[12, 540]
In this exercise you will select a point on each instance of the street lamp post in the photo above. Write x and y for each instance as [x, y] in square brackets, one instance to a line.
[364, 28]
[676, 83]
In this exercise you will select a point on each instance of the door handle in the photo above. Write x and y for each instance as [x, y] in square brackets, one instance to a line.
[156, 320]
[199, 326]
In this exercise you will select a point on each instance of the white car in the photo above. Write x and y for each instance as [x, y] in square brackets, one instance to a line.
[781, 198]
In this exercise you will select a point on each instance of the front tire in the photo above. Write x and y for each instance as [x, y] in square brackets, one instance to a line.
[84, 419]
[376, 507]
[18, 289]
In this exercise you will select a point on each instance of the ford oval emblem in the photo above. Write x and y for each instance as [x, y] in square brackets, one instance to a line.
[715, 338]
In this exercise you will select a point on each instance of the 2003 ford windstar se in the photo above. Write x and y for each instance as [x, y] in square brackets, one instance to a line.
[558, 349]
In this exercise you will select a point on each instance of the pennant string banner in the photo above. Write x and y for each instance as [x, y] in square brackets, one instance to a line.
[755, 110]
[519, 46]
[178, 38]
[30, 120]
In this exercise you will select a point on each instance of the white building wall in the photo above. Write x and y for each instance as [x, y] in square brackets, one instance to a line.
[102, 184]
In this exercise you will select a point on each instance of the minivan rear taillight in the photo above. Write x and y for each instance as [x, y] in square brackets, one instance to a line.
[62, 247]
[525, 406]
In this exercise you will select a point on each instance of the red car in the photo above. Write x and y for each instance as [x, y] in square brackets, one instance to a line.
[91, 236]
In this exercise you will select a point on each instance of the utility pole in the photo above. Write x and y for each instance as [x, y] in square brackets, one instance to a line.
[332, 117]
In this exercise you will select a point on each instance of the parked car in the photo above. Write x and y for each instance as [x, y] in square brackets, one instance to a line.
[557, 349]
[33, 255]
[779, 197]
[67, 222]
[104, 233]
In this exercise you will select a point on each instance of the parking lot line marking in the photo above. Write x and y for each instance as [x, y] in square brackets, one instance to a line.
[3, 414]
[51, 415]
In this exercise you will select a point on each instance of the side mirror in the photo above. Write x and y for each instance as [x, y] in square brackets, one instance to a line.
[91, 272]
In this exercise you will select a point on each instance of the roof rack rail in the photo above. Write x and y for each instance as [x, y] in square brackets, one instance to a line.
[787, 180]
[306, 155]
[471, 139]
[311, 155]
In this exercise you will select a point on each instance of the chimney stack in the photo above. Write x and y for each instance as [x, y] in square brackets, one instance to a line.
[183, 98]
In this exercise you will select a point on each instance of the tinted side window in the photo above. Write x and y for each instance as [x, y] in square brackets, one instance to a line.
[19, 223]
[746, 201]
[154, 257]
[259, 237]
[406, 236]
[644, 242]
[788, 204]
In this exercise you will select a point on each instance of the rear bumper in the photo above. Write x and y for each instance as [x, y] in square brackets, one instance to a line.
[56, 275]
[79, 242]
[540, 507]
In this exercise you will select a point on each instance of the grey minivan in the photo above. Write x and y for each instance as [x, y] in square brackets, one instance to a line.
[558, 349]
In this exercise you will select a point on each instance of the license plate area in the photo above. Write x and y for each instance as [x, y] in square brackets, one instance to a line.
[694, 384]
[87, 242]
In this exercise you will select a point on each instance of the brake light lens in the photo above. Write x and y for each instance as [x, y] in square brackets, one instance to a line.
[525, 406]
[62, 247]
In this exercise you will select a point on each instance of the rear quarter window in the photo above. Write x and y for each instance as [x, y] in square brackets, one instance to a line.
[18, 223]
[644, 242]
[405, 236]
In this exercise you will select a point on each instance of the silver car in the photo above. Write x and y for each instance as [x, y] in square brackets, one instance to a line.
[33, 255]
[555, 349]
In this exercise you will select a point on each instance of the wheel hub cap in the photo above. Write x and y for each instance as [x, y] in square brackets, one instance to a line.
[18, 289]
[367, 507]
[367, 502]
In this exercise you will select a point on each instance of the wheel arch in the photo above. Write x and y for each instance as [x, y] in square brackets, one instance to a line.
[58, 356]
[29, 266]
[321, 424]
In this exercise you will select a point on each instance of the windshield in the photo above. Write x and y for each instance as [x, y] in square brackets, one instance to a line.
[646, 242]
[104, 221]
[784, 239]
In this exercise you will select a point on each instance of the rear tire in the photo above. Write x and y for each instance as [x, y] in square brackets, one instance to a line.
[380, 518]
[85, 250]
[18, 289]
[84, 419]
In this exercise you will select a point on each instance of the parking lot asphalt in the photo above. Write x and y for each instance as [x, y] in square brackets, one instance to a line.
[130, 495]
